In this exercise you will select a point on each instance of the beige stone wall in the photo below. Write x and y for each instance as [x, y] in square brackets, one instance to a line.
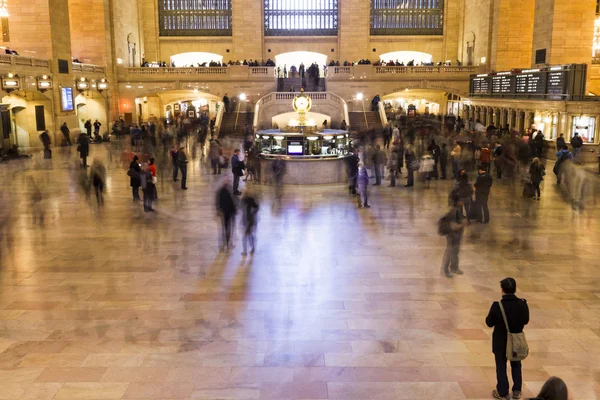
[126, 23]
[573, 31]
[452, 18]
[248, 28]
[543, 28]
[476, 21]
[29, 25]
[512, 35]
[149, 22]
[88, 36]
[354, 29]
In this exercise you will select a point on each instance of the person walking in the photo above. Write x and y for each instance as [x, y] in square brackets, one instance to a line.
[250, 220]
[226, 103]
[214, 153]
[452, 225]
[411, 165]
[560, 142]
[426, 169]
[66, 134]
[392, 166]
[147, 188]
[443, 160]
[152, 169]
[134, 173]
[45, 139]
[464, 189]
[516, 312]
[182, 162]
[577, 144]
[237, 168]
[537, 171]
[278, 167]
[563, 155]
[88, 127]
[362, 196]
[174, 157]
[455, 154]
[498, 154]
[226, 209]
[483, 186]
[539, 144]
[378, 162]
[352, 165]
[83, 147]
[435, 152]
[98, 177]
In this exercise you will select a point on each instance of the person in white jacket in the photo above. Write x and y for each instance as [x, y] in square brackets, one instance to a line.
[426, 169]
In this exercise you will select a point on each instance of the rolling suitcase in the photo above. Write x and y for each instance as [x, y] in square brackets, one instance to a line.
[47, 154]
[528, 190]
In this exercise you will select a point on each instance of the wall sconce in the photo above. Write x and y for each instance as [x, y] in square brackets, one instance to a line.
[102, 85]
[44, 83]
[10, 83]
[82, 85]
[145, 99]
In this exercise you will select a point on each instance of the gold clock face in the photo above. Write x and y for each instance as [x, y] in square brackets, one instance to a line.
[302, 103]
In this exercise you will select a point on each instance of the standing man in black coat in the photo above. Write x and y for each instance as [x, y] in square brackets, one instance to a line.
[483, 185]
[88, 127]
[352, 161]
[517, 315]
[435, 151]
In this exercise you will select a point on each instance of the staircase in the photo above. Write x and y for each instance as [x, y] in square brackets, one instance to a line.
[285, 84]
[228, 128]
[358, 124]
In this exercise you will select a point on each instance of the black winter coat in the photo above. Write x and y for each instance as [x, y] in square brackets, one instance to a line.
[517, 314]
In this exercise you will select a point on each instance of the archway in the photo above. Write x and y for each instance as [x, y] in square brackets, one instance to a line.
[91, 105]
[406, 56]
[30, 113]
[296, 57]
[194, 59]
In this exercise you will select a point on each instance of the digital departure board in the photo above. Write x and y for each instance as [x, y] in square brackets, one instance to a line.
[563, 82]
[504, 84]
[481, 85]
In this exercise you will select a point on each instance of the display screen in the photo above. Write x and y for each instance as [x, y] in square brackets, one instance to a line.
[296, 148]
[67, 99]
[562, 82]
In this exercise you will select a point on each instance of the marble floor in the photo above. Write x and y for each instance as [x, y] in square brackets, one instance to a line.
[336, 303]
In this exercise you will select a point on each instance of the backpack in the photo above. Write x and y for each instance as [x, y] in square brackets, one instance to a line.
[444, 226]
[517, 348]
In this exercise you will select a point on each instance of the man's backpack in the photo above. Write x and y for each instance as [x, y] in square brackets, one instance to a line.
[517, 348]
[444, 226]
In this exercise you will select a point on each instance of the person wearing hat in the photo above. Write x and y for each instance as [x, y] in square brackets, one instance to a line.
[517, 315]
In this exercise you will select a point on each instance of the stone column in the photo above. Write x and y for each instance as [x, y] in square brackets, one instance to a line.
[247, 29]
[354, 27]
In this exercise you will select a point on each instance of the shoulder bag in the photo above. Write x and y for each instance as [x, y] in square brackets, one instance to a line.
[517, 348]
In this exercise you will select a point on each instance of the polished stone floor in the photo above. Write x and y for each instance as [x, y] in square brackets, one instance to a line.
[336, 303]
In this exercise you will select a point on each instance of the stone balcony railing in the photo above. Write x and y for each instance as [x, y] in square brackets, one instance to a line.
[89, 68]
[378, 72]
[19, 61]
[235, 72]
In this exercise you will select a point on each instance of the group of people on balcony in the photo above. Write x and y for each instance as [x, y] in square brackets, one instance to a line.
[412, 63]
[251, 63]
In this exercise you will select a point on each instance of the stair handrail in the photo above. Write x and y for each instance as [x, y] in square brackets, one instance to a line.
[219, 117]
[382, 114]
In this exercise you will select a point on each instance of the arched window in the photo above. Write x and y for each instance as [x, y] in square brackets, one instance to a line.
[407, 17]
[194, 17]
[301, 17]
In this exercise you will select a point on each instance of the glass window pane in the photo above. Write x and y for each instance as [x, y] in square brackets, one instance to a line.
[195, 17]
[301, 17]
[407, 17]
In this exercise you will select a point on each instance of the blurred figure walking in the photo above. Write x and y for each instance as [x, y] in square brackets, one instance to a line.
[147, 188]
[452, 225]
[563, 155]
[182, 161]
[66, 134]
[362, 196]
[483, 186]
[98, 177]
[537, 171]
[278, 168]
[411, 165]
[250, 220]
[175, 163]
[226, 209]
[214, 153]
[237, 168]
[378, 162]
[83, 147]
[352, 166]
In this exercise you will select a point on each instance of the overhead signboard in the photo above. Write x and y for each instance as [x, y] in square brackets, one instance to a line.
[562, 82]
